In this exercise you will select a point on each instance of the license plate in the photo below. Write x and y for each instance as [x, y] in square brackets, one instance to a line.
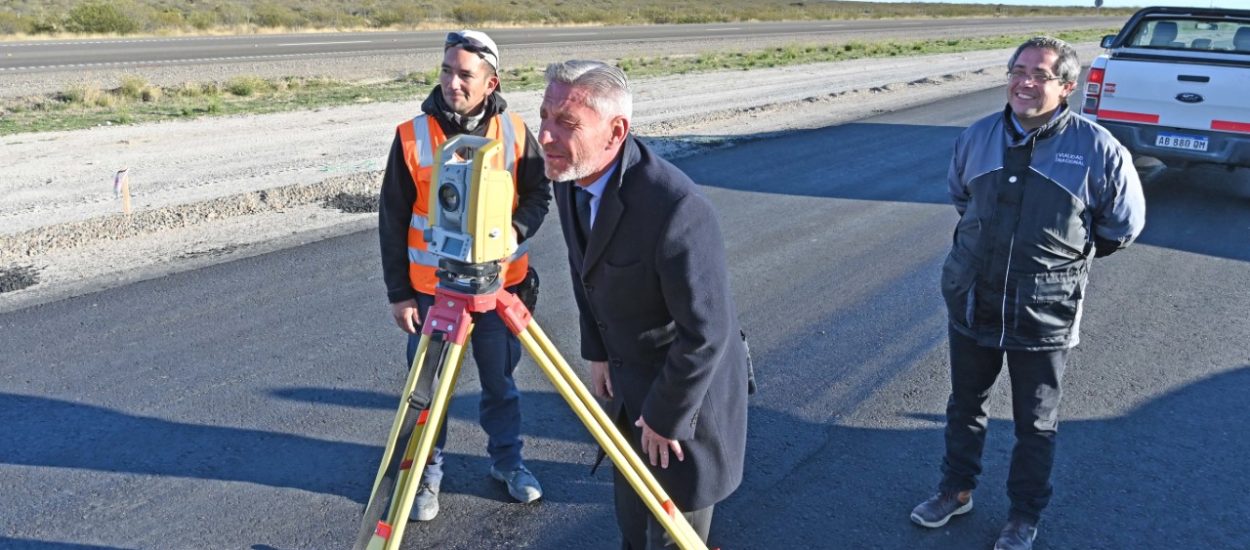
[1177, 141]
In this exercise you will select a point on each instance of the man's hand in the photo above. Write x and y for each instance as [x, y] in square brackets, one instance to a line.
[406, 315]
[513, 239]
[656, 445]
[600, 383]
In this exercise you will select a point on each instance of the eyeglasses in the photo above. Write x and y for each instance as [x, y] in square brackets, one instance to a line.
[1039, 78]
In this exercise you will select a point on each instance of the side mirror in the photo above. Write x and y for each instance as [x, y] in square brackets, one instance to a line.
[1107, 41]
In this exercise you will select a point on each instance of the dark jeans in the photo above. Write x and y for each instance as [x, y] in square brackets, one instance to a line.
[1035, 393]
[496, 351]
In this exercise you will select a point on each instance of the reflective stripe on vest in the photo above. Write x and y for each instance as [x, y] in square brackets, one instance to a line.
[421, 129]
[509, 144]
[420, 223]
[417, 255]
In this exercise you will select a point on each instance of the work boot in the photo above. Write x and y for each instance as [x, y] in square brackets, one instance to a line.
[425, 506]
[940, 508]
[1018, 534]
[521, 483]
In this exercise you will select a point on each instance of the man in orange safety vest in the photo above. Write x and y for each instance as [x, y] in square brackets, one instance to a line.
[466, 101]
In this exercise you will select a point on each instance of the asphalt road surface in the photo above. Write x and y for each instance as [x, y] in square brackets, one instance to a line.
[245, 405]
[38, 56]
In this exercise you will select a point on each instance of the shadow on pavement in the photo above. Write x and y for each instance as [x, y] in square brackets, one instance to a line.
[1201, 210]
[1169, 474]
[100, 439]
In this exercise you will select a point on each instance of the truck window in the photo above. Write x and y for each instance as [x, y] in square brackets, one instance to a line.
[1192, 34]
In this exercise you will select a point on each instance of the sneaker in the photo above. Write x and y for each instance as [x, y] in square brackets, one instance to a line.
[425, 506]
[521, 484]
[940, 508]
[1018, 534]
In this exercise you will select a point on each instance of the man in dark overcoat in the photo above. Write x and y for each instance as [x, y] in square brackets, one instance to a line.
[658, 322]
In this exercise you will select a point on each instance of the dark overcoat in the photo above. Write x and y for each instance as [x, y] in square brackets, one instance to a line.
[653, 294]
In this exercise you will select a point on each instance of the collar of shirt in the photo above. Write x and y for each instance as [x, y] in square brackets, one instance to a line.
[596, 191]
[1016, 122]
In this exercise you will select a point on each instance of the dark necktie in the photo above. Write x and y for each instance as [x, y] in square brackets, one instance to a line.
[583, 212]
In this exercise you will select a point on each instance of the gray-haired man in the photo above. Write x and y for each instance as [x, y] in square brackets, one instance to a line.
[658, 323]
[1040, 192]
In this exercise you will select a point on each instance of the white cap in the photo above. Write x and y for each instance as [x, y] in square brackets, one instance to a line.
[476, 42]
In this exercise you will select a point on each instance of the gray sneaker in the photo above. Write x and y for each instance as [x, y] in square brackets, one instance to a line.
[425, 506]
[521, 484]
[940, 508]
[1018, 534]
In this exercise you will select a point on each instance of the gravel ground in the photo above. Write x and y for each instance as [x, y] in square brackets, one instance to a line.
[211, 190]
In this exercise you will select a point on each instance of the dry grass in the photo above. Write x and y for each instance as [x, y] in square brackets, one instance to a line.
[30, 19]
[136, 100]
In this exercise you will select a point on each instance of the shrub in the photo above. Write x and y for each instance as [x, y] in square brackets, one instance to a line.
[202, 20]
[132, 86]
[45, 25]
[101, 17]
[274, 15]
[422, 78]
[82, 95]
[473, 13]
[330, 17]
[403, 14]
[167, 20]
[150, 94]
[247, 85]
[188, 89]
[11, 23]
[232, 14]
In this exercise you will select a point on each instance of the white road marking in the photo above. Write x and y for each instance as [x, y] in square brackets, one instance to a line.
[326, 43]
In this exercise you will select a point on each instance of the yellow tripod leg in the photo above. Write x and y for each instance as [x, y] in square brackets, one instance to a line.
[628, 463]
[410, 480]
[388, 532]
[392, 441]
[390, 471]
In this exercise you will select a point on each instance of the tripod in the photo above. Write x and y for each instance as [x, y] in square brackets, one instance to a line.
[464, 289]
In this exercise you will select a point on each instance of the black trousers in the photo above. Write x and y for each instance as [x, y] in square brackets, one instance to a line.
[1035, 394]
[639, 529]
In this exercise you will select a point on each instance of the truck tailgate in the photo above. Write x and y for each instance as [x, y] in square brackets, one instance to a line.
[1179, 95]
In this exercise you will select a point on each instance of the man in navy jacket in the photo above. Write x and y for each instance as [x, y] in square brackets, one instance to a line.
[1040, 192]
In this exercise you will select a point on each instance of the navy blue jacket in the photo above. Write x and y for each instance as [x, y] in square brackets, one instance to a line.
[1035, 208]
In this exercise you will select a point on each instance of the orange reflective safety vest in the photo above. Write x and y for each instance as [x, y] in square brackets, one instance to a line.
[421, 139]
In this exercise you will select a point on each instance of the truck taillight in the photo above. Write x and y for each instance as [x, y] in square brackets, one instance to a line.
[1093, 91]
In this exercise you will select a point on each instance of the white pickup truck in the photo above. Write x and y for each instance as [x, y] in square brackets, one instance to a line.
[1174, 84]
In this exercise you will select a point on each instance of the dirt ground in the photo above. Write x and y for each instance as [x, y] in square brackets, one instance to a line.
[216, 189]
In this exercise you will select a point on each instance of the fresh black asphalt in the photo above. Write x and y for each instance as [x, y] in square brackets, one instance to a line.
[244, 405]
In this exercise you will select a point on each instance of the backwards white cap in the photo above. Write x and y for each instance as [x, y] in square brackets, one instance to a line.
[476, 42]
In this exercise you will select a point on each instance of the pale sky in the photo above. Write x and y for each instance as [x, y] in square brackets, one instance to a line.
[1238, 4]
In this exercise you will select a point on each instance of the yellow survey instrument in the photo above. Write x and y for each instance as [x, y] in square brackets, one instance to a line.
[471, 199]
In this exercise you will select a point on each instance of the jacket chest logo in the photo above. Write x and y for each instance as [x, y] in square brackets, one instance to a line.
[1070, 158]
